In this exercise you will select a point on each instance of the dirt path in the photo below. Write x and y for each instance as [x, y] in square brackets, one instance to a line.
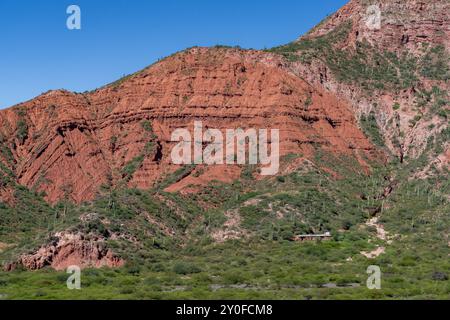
[381, 234]
[374, 253]
[4, 246]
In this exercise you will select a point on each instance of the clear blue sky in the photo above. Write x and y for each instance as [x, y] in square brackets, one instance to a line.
[39, 53]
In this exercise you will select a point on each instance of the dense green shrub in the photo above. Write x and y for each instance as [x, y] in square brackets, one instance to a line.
[185, 268]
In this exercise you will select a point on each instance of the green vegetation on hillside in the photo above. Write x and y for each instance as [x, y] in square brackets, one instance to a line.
[173, 255]
[370, 128]
[134, 164]
[368, 66]
[22, 126]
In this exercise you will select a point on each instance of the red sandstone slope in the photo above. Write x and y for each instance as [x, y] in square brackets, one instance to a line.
[68, 144]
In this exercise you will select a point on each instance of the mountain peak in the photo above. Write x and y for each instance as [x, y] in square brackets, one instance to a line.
[410, 24]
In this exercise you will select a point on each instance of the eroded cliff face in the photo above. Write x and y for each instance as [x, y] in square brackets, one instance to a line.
[399, 72]
[67, 145]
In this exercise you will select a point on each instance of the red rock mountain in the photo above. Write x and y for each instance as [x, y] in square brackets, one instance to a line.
[69, 144]
[315, 90]
[359, 93]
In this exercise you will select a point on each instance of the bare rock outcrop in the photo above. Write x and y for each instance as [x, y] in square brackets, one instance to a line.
[68, 249]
